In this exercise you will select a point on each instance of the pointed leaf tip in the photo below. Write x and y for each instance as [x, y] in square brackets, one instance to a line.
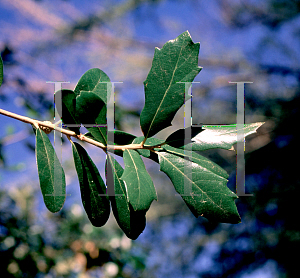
[212, 136]
[175, 63]
[201, 184]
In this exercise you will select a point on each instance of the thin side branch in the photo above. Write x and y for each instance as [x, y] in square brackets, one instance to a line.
[48, 126]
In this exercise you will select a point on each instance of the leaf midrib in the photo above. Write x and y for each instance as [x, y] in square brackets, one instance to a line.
[84, 168]
[229, 132]
[49, 166]
[138, 177]
[195, 184]
[179, 154]
[165, 92]
[92, 187]
[119, 179]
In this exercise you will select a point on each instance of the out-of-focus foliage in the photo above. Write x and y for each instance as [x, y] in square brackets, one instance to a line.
[271, 12]
[60, 245]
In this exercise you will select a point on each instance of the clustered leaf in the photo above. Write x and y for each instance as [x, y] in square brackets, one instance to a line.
[94, 81]
[94, 119]
[201, 183]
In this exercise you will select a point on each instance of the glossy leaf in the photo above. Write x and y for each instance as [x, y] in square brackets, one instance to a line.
[210, 137]
[1, 71]
[176, 62]
[51, 173]
[201, 183]
[131, 222]
[222, 136]
[180, 137]
[92, 188]
[94, 81]
[140, 189]
[199, 159]
[68, 109]
[148, 143]
[120, 138]
[91, 112]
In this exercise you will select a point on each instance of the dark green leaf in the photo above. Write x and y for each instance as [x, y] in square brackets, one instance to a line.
[120, 138]
[221, 136]
[91, 112]
[92, 188]
[178, 138]
[201, 183]
[95, 81]
[1, 71]
[199, 159]
[51, 173]
[140, 189]
[149, 142]
[176, 62]
[68, 109]
[131, 222]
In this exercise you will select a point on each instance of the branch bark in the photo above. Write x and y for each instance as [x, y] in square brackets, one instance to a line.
[46, 125]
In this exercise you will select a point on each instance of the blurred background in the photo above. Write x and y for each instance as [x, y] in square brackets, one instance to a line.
[241, 40]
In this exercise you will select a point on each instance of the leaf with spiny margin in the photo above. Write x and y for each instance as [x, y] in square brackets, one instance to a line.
[131, 222]
[140, 189]
[67, 111]
[51, 173]
[201, 183]
[176, 62]
[94, 81]
[91, 112]
[92, 188]
[1, 71]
